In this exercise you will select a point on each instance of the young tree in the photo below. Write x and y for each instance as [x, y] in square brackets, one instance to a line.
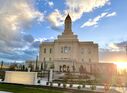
[23, 67]
[13, 66]
[36, 64]
[2, 63]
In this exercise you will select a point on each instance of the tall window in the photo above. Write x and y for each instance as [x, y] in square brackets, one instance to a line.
[89, 60]
[44, 58]
[66, 49]
[44, 50]
[82, 50]
[50, 50]
[61, 49]
[89, 51]
[49, 59]
[82, 60]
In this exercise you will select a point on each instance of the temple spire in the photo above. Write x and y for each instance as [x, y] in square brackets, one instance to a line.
[68, 25]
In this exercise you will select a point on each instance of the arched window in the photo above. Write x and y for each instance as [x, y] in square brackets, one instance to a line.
[44, 50]
[67, 49]
[49, 59]
[50, 50]
[44, 58]
[60, 68]
[64, 68]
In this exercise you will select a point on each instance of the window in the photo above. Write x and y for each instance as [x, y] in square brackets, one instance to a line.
[50, 50]
[44, 50]
[82, 51]
[89, 60]
[61, 49]
[44, 58]
[49, 59]
[82, 60]
[66, 49]
[89, 51]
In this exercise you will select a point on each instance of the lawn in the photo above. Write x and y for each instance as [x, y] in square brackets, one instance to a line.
[34, 89]
[25, 89]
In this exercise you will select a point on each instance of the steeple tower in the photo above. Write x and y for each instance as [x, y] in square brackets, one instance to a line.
[68, 25]
[67, 35]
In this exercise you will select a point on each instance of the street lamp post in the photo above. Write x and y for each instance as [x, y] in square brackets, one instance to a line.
[36, 63]
[126, 49]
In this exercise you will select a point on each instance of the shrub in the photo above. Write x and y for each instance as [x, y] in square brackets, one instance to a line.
[64, 85]
[39, 81]
[71, 85]
[47, 83]
[79, 87]
[83, 86]
[93, 87]
[59, 84]
[51, 84]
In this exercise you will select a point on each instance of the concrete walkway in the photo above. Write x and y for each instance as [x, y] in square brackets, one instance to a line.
[4, 92]
[87, 87]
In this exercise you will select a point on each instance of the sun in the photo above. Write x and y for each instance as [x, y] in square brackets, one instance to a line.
[121, 65]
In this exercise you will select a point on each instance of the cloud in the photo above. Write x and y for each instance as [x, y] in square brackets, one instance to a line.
[112, 56]
[113, 47]
[24, 47]
[14, 50]
[50, 3]
[94, 22]
[16, 15]
[122, 44]
[111, 14]
[114, 52]
[28, 38]
[57, 29]
[17, 49]
[56, 18]
[36, 44]
[76, 8]
[119, 46]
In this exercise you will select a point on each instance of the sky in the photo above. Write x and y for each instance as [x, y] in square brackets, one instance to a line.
[24, 24]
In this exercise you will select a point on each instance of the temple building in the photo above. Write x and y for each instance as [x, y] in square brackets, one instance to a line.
[67, 53]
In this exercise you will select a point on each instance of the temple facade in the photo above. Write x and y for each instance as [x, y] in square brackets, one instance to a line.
[67, 53]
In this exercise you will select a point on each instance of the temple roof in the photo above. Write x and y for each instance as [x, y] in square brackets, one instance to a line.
[68, 17]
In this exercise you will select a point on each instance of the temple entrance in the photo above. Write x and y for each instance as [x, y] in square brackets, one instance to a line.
[64, 68]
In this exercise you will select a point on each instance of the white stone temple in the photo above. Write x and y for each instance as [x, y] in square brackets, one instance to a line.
[67, 53]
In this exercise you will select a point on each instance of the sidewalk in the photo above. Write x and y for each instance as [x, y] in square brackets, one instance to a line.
[4, 92]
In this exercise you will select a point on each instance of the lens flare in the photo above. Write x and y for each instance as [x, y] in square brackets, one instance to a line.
[121, 65]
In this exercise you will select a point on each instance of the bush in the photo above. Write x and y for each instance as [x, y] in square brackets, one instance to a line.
[2, 75]
[71, 85]
[39, 81]
[79, 87]
[93, 87]
[51, 84]
[47, 83]
[59, 84]
[83, 86]
[64, 85]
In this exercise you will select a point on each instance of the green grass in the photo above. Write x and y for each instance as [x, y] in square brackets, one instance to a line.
[33, 89]
[24, 89]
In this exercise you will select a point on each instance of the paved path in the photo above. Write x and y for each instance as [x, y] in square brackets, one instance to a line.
[4, 92]
[98, 88]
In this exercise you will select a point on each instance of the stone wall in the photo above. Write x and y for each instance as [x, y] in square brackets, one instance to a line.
[21, 77]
